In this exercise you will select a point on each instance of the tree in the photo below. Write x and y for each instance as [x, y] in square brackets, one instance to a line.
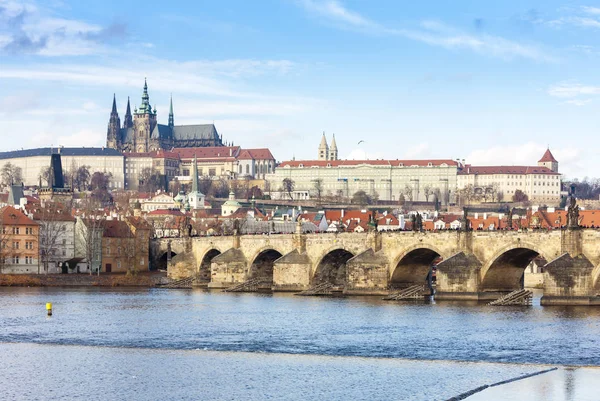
[89, 229]
[44, 175]
[82, 177]
[150, 180]
[99, 184]
[408, 192]
[499, 196]
[427, 191]
[318, 187]
[401, 199]
[11, 174]
[288, 186]
[52, 218]
[520, 196]
[361, 198]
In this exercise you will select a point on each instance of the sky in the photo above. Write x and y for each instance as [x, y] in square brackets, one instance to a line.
[488, 82]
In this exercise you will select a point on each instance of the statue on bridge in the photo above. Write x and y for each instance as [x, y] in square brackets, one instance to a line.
[573, 214]
[465, 224]
[417, 222]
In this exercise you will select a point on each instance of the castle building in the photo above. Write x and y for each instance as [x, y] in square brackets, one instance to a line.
[141, 131]
[541, 183]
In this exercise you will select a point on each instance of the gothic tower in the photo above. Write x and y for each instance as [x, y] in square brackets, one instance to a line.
[128, 122]
[333, 150]
[323, 148]
[144, 121]
[113, 139]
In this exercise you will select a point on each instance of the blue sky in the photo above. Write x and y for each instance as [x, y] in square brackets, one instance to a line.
[489, 82]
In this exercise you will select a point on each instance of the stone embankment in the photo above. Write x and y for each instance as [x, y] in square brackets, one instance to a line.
[82, 280]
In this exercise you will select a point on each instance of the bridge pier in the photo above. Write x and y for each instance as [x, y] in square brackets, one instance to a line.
[228, 268]
[569, 281]
[291, 272]
[458, 278]
[367, 274]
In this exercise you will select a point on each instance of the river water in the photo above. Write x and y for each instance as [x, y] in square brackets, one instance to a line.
[192, 344]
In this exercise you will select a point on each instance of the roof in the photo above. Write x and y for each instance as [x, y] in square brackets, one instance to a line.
[547, 157]
[352, 163]
[116, 229]
[165, 212]
[63, 152]
[209, 152]
[14, 217]
[199, 131]
[469, 170]
[256, 154]
[156, 154]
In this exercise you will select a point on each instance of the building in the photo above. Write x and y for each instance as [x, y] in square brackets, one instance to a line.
[143, 133]
[230, 206]
[415, 180]
[195, 199]
[541, 183]
[56, 236]
[161, 201]
[165, 163]
[125, 245]
[19, 240]
[34, 162]
[226, 162]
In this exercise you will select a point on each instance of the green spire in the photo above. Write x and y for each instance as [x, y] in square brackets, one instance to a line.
[145, 108]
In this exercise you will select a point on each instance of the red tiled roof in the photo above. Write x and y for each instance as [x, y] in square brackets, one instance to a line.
[349, 163]
[13, 217]
[256, 154]
[116, 229]
[470, 170]
[548, 157]
[209, 152]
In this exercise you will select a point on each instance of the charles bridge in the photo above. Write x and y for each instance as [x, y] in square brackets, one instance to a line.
[475, 265]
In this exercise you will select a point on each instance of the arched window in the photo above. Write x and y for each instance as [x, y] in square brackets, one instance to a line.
[247, 169]
[240, 169]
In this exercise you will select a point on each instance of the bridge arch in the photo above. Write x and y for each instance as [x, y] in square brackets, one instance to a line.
[413, 265]
[331, 267]
[204, 272]
[162, 261]
[505, 270]
[261, 265]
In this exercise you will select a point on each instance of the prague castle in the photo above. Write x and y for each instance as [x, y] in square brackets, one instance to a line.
[142, 132]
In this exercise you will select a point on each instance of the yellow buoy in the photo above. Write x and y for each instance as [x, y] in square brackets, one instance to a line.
[49, 308]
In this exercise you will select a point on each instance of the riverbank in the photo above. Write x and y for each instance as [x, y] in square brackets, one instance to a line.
[146, 279]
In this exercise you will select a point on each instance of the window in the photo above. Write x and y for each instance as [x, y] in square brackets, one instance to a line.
[248, 169]
[142, 261]
[15, 260]
[64, 241]
[15, 245]
[15, 230]
[212, 172]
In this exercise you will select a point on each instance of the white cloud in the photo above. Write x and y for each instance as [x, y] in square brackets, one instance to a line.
[591, 10]
[572, 90]
[578, 102]
[434, 33]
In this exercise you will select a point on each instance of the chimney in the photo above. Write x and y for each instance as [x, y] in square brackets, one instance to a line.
[342, 216]
[476, 215]
[485, 216]
[230, 152]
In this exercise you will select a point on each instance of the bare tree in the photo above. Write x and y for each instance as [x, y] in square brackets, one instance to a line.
[88, 234]
[11, 174]
[45, 175]
[318, 187]
[150, 180]
[427, 191]
[82, 177]
[288, 186]
[52, 219]
[408, 192]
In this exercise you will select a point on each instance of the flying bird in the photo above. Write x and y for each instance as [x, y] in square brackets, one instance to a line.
[359, 142]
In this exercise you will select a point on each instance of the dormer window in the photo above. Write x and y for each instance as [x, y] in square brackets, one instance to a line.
[430, 164]
[300, 165]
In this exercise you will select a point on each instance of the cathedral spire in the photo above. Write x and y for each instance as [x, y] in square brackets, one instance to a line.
[114, 108]
[171, 117]
[128, 122]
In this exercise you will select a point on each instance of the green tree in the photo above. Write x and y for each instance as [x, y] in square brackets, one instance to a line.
[361, 198]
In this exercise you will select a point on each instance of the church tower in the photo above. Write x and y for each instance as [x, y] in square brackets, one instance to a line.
[333, 150]
[113, 139]
[144, 121]
[128, 122]
[549, 161]
[323, 148]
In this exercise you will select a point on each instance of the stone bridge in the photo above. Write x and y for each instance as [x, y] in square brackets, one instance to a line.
[478, 265]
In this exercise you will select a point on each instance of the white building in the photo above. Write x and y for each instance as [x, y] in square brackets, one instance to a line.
[160, 201]
[34, 161]
[541, 183]
[416, 180]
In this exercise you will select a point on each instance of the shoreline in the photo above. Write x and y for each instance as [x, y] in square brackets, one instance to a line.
[144, 280]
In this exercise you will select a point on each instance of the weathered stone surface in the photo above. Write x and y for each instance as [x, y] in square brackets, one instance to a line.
[458, 274]
[291, 272]
[367, 272]
[228, 268]
[567, 278]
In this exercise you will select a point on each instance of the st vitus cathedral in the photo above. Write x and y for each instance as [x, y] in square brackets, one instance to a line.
[142, 133]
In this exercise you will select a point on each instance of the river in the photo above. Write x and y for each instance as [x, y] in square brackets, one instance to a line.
[105, 343]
